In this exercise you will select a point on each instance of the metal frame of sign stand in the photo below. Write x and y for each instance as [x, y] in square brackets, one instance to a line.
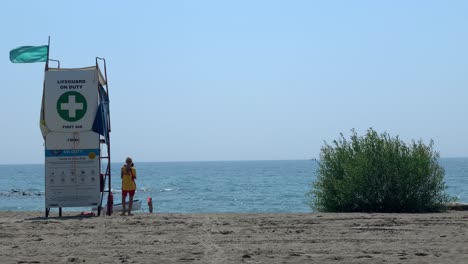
[106, 174]
[47, 210]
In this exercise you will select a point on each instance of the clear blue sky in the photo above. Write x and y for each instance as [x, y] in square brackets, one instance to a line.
[246, 80]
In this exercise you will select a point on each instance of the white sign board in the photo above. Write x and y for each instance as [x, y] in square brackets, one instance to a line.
[71, 100]
[72, 150]
[72, 178]
[77, 140]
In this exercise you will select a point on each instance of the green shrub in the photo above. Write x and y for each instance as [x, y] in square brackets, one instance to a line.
[378, 173]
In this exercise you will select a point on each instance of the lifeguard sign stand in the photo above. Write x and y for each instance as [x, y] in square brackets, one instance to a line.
[75, 124]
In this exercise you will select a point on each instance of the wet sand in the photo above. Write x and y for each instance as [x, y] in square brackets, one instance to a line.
[28, 237]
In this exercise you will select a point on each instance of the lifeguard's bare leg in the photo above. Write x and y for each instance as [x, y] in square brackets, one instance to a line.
[130, 205]
[123, 205]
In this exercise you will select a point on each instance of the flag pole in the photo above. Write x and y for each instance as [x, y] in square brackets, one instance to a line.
[48, 51]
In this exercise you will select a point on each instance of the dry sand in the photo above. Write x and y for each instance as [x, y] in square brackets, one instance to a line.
[28, 237]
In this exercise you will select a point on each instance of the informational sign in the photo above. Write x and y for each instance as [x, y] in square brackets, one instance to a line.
[71, 100]
[72, 149]
[72, 178]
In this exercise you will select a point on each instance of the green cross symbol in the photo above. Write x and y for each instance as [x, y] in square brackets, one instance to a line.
[71, 106]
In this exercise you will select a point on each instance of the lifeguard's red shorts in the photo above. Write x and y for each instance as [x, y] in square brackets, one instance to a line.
[131, 193]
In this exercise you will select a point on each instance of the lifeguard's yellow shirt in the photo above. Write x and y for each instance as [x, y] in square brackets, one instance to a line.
[128, 184]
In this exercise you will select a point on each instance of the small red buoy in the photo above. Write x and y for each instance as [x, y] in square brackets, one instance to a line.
[110, 203]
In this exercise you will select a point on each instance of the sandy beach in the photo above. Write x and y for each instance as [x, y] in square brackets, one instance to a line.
[28, 237]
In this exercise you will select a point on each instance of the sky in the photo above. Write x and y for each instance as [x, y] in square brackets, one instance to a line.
[246, 80]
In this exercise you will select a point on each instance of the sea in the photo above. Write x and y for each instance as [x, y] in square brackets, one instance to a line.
[278, 186]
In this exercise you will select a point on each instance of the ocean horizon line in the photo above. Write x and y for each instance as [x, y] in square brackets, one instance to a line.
[201, 161]
[182, 161]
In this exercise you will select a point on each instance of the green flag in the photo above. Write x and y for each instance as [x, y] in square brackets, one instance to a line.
[28, 54]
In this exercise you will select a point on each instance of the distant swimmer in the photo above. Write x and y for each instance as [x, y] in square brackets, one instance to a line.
[150, 204]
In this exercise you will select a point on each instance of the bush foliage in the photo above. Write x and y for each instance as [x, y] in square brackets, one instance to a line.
[378, 173]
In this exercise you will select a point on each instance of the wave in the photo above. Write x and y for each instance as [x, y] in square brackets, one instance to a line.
[21, 192]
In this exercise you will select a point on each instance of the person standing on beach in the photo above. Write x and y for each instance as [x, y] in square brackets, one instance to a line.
[128, 175]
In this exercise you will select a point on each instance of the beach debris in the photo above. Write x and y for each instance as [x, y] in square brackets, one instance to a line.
[88, 213]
